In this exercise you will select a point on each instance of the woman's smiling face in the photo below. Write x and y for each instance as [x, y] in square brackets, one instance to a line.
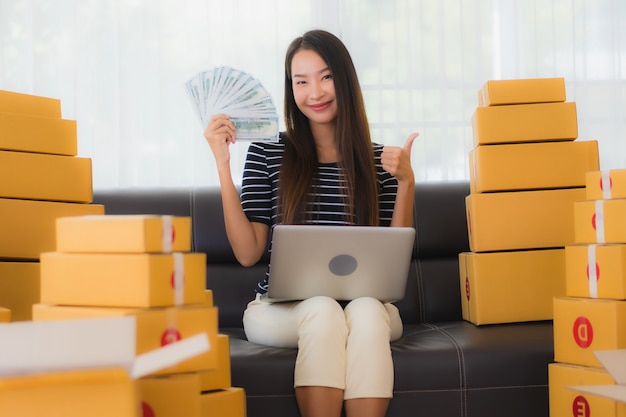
[313, 87]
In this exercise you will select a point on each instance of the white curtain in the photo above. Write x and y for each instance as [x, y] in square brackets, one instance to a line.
[119, 66]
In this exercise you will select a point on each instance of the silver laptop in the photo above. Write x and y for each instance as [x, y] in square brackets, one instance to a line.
[342, 262]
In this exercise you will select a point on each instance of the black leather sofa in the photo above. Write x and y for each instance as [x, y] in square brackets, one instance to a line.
[444, 366]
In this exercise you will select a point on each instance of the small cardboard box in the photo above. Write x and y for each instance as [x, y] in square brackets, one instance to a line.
[5, 315]
[606, 185]
[600, 221]
[596, 271]
[509, 287]
[229, 402]
[19, 288]
[522, 91]
[532, 166]
[614, 361]
[155, 327]
[563, 400]
[584, 325]
[124, 234]
[33, 176]
[521, 219]
[73, 393]
[525, 123]
[28, 133]
[218, 378]
[14, 102]
[29, 226]
[123, 280]
[81, 371]
[170, 395]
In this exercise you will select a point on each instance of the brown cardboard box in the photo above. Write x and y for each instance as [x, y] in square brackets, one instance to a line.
[155, 327]
[19, 288]
[522, 91]
[170, 395]
[124, 234]
[123, 280]
[218, 378]
[29, 133]
[613, 361]
[28, 226]
[532, 166]
[230, 402]
[5, 315]
[606, 185]
[521, 219]
[75, 393]
[21, 103]
[600, 221]
[525, 123]
[567, 403]
[585, 325]
[33, 176]
[596, 271]
[509, 287]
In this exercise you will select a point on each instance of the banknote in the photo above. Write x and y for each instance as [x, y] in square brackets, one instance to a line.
[238, 94]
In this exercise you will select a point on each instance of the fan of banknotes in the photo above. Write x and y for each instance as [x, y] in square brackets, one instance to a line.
[239, 95]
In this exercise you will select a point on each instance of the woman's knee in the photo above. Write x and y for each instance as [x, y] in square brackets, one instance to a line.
[321, 314]
[368, 313]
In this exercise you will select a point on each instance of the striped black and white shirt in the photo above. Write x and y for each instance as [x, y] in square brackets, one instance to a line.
[259, 191]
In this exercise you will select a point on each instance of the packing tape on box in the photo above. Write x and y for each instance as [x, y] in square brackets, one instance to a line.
[168, 234]
[179, 278]
[605, 184]
[592, 271]
[600, 221]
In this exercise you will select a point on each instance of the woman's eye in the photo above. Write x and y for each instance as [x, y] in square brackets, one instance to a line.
[327, 77]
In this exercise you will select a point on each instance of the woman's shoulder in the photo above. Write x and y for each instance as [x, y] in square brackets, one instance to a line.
[378, 149]
[269, 146]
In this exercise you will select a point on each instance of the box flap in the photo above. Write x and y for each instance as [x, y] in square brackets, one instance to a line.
[614, 361]
[38, 347]
[47, 346]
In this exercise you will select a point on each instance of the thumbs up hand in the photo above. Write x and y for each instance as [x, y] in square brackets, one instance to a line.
[397, 160]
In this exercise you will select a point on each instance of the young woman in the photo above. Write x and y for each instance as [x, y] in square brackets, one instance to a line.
[324, 170]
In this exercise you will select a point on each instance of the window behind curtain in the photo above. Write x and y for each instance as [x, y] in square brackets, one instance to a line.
[119, 67]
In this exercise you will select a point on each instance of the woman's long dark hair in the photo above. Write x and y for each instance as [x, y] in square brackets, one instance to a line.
[352, 135]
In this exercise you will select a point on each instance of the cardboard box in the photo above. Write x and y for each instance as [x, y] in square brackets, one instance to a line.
[585, 325]
[230, 402]
[596, 271]
[521, 219]
[28, 133]
[123, 280]
[218, 378]
[155, 327]
[522, 91]
[124, 234]
[606, 185]
[75, 393]
[525, 123]
[600, 221]
[5, 315]
[21, 103]
[532, 166]
[170, 395]
[614, 361]
[509, 287]
[567, 403]
[19, 288]
[80, 372]
[28, 226]
[33, 176]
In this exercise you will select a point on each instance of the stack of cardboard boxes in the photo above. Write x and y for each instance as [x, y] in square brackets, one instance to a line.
[526, 172]
[42, 179]
[591, 316]
[141, 266]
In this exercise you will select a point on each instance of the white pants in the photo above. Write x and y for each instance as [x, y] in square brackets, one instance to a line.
[340, 348]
